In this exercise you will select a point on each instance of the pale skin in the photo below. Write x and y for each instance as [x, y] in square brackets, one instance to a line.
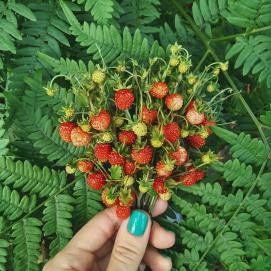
[104, 244]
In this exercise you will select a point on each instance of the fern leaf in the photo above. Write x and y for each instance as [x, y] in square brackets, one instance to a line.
[4, 141]
[266, 118]
[3, 254]
[57, 218]
[26, 236]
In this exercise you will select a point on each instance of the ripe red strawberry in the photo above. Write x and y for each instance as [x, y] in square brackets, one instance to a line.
[174, 102]
[180, 156]
[129, 168]
[127, 199]
[101, 121]
[172, 132]
[79, 137]
[96, 180]
[159, 185]
[124, 99]
[208, 123]
[65, 130]
[164, 169]
[115, 158]
[149, 116]
[123, 212]
[127, 137]
[102, 151]
[159, 90]
[109, 199]
[191, 105]
[142, 156]
[85, 166]
[192, 177]
[196, 141]
[194, 117]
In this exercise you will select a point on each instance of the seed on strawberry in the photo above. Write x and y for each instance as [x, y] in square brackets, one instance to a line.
[96, 180]
[174, 102]
[115, 158]
[101, 121]
[79, 137]
[65, 130]
[159, 185]
[180, 156]
[123, 212]
[85, 166]
[194, 117]
[142, 156]
[148, 116]
[172, 132]
[124, 99]
[102, 151]
[109, 199]
[159, 90]
[127, 137]
[196, 141]
[164, 169]
[129, 168]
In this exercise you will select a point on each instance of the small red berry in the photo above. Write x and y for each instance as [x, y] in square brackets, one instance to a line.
[65, 130]
[174, 102]
[79, 137]
[127, 137]
[164, 169]
[142, 156]
[108, 199]
[172, 132]
[209, 123]
[102, 151]
[115, 158]
[149, 116]
[194, 117]
[129, 168]
[85, 166]
[159, 185]
[128, 199]
[101, 121]
[192, 177]
[123, 212]
[124, 99]
[96, 180]
[196, 141]
[159, 90]
[180, 156]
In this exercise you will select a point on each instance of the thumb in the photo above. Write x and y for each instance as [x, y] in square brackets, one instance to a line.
[131, 242]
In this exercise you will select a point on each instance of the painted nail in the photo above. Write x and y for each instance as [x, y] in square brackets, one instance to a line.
[137, 223]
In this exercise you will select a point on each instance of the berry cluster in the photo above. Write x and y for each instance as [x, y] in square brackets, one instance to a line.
[145, 128]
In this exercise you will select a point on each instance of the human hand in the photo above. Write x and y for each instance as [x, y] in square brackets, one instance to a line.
[107, 243]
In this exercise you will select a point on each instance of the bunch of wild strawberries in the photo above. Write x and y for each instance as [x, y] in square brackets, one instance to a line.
[144, 126]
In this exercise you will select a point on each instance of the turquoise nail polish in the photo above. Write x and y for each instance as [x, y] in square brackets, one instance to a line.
[137, 223]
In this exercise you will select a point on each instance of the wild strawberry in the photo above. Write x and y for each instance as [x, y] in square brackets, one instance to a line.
[164, 169]
[65, 130]
[194, 117]
[196, 141]
[140, 129]
[129, 168]
[79, 137]
[191, 105]
[180, 156]
[148, 116]
[102, 151]
[124, 99]
[115, 158]
[128, 180]
[96, 180]
[109, 199]
[127, 137]
[159, 185]
[174, 102]
[192, 177]
[70, 169]
[208, 123]
[159, 90]
[142, 156]
[171, 132]
[98, 76]
[165, 196]
[143, 187]
[123, 212]
[101, 121]
[127, 198]
[85, 166]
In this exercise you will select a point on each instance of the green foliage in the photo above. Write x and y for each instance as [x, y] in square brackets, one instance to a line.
[4, 244]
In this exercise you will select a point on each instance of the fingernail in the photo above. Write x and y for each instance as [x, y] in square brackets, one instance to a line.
[137, 223]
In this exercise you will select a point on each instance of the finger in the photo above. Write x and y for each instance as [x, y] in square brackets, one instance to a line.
[156, 261]
[105, 249]
[159, 207]
[131, 242]
[161, 238]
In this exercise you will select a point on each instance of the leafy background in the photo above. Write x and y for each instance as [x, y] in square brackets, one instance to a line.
[225, 220]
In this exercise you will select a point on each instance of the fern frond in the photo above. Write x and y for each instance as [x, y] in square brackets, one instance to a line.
[87, 203]
[12, 206]
[266, 118]
[4, 140]
[4, 244]
[31, 179]
[261, 263]
[57, 218]
[254, 56]
[106, 42]
[26, 236]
